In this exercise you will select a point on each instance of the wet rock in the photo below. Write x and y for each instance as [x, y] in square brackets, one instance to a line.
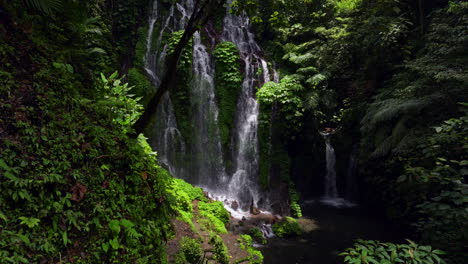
[235, 205]
[254, 210]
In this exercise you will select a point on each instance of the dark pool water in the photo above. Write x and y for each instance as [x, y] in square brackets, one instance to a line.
[338, 228]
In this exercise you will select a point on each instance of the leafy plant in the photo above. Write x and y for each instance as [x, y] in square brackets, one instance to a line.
[228, 83]
[370, 251]
[255, 256]
[220, 251]
[288, 226]
[124, 108]
[191, 249]
[257, 234]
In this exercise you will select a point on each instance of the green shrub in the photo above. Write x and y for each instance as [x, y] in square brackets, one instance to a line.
[294, 201]
[220, 251]
[191, 248]
[370, 251]
[180, 258]
[257, 234]
[194, 193]
[255, 256]
[212, 223]
[287, 227]
[76, 177]
[215, 208]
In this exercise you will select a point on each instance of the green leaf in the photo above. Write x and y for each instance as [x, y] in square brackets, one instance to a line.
[126, 223]
[69, 68]
[65, 238]
[105, 247]
[114, 75]
[3, 217]
[30, 222]
[24, 238]
[4, 166]
[103, 78]
[114, 243]
[10, 176]
[114, 226]
[439, 252]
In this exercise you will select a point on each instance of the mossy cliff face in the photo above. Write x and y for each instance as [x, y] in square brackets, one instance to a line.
[228, 81]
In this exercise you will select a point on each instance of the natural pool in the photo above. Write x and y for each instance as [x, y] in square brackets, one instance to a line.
[338, 228]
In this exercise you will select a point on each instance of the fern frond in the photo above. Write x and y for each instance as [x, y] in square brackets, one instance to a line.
[406, 142]
[307, 70]
[316, 79]
[301, 59]
[392, 109]
[48, 7]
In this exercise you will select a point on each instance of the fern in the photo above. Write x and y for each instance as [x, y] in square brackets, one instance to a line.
[392, 109]
[48, 7]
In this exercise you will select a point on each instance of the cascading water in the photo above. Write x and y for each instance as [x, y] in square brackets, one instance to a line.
[330, 179]
[331, 196]
[207, 141]
[207, 167]
[168, 139]
[243, 185]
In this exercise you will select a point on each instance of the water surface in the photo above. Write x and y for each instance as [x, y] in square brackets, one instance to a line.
[338, 228]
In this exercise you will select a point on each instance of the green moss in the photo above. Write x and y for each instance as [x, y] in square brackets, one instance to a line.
[228, 81]
[180, 94]
[287, 227]
[182, 195]
[194, 193]
[211, 223]
[294, 201]
[215, 208]
[264, 140]
[140, 47]
[255, 256]
[257, 234]
[186, 217]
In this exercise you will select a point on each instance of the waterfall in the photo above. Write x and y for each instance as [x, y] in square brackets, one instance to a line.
[243, 185]
[331, 196]
[208, 155]
[207, 167]
[166, 138]
[330, 179]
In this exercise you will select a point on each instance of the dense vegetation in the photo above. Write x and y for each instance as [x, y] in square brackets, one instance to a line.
[79, 186]
[391, 76]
